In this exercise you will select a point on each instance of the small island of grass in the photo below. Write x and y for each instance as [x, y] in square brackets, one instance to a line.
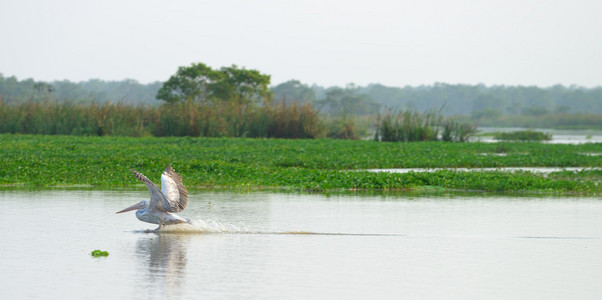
[522, 135]
[99, 253]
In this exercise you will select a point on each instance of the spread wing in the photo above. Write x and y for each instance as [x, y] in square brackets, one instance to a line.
[157, 200]
[174, 190]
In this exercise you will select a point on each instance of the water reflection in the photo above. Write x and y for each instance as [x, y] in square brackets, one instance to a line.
[162, 258]
[469, 245]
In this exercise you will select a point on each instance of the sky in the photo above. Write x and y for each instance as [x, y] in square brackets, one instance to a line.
[326, 42]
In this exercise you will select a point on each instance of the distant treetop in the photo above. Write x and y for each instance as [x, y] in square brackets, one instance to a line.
[199, 82]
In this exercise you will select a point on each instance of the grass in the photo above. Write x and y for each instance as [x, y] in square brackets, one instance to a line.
[232, 119]
[316, 165]
[522, 135]
[412, 126]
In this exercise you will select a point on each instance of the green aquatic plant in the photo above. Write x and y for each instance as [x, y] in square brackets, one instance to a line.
[316, 165]
[522, 135]
[412, 126]
[99, 253]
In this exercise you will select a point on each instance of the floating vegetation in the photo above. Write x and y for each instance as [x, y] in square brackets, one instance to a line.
[99, 253]
[313, 165]
[522, 135]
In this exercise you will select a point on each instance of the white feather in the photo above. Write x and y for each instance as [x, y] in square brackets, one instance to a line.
[169, 188]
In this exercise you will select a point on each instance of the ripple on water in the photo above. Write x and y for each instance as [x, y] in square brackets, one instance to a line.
[202, 226]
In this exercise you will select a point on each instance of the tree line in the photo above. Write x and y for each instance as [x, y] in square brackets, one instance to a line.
[230, 101]
[478, 101]
[129, 91]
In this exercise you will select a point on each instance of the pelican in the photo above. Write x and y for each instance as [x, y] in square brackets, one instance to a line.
[164, 203]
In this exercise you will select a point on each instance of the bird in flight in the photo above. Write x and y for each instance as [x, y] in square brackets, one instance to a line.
[164, 203]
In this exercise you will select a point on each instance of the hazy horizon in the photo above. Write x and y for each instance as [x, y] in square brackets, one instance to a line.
[323, 86]
[328, 43]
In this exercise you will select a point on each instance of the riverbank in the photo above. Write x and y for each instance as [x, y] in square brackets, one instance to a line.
[316, 165]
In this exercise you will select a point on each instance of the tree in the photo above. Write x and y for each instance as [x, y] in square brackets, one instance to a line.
[294, 90]
[189, 83]
[535, 111]
[43, 90]
[348, 101]
[241, 84]
[486, 101]
[200, 82]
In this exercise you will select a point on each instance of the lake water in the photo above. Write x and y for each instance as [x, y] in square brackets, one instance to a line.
[559, 136]
[265, 245]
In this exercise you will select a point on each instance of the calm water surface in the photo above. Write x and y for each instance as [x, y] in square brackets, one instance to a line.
[559, 136]
[274, 246]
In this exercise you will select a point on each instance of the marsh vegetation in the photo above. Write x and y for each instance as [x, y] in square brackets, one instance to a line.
[316, 165]
[412, 126]
[522, 135]
[230, 119]
[203, 109]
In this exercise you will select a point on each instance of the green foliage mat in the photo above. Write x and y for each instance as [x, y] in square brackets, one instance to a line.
[318, 165]
[523, 135]
[99, 253]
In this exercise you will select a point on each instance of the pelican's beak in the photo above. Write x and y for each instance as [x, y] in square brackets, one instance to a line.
[137, 206]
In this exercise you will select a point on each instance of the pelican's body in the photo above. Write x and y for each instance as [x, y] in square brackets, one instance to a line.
[164, 203]
[149, 214]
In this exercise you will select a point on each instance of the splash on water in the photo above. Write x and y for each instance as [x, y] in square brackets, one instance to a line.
[203, 226]
[215, 226]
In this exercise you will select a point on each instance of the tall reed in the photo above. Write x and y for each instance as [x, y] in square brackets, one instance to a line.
[218, 119]
[411, 126]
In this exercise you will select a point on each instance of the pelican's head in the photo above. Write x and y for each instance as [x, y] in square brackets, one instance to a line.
[140, 205]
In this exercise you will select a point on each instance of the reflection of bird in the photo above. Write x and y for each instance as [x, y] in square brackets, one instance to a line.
[164, 258]
[164, 203]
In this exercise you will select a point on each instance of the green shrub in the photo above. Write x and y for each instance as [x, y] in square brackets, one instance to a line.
[413, 126]
[523, 135]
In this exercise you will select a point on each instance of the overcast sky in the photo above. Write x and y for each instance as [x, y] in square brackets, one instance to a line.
[396, 43]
